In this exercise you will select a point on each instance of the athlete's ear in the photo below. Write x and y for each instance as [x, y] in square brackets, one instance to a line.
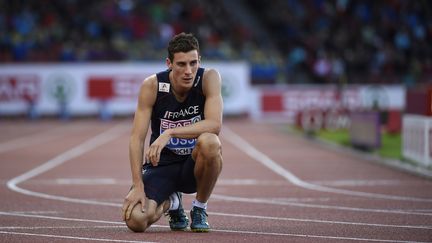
[168, 63]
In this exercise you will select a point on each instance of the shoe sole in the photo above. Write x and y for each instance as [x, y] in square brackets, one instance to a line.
[183, 229]
[180, 229]
[200, 230]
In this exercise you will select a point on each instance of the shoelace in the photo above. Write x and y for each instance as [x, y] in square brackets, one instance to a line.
[175, 216]
[200, 215]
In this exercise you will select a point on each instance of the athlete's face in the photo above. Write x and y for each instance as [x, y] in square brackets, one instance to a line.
[184, 68]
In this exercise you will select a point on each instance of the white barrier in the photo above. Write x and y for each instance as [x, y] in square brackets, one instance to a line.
[88, 89]
[417, 139]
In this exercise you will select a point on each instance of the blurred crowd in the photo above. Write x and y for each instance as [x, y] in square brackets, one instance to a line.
[352, 41]
[310, 41]
[356, 41]
[82, 30]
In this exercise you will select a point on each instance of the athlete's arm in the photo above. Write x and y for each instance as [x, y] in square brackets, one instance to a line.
[146, 100]
[212, 123]
[212, 110]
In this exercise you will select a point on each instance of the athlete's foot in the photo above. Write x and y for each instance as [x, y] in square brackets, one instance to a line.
[199, 220]
[178, 219]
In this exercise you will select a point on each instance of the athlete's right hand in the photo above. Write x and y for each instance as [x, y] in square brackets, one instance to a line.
[154, 150]
[136, 195]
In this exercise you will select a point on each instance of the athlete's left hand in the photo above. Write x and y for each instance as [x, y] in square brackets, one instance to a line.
[153, 152]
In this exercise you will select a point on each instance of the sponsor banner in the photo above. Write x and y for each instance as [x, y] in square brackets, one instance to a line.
[115, 86]
[283, 103]
[235, 85]
[88, 89]
[19, 87]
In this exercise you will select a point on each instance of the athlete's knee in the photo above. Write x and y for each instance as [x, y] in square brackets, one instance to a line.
[138, 221]
[208, 144]
[208, 152]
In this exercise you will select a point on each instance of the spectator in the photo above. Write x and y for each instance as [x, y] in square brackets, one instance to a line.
[362, 39]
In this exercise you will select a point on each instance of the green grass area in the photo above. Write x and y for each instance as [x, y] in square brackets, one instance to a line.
[390, 143]
[391, 146]
[340, 136]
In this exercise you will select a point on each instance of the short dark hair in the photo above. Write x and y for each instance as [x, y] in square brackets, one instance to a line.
[182, 43]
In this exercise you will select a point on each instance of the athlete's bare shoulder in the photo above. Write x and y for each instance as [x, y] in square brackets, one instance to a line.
[211, 81]
[148, 90]
[211, 75]
[150, 82]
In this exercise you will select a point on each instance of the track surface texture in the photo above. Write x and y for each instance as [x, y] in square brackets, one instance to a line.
[66, 181]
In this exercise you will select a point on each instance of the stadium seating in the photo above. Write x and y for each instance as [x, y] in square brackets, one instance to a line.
[311, 41]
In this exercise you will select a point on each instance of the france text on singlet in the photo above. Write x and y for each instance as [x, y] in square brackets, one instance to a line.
[170, 113]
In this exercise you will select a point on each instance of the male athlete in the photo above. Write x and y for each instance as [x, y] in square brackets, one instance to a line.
[184, 106]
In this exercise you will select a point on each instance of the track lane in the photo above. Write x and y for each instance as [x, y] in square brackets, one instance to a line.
[237, 212]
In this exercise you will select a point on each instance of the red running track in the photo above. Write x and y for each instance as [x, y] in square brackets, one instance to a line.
[66, 181]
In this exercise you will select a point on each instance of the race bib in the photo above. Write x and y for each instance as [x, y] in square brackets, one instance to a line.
[180, 146]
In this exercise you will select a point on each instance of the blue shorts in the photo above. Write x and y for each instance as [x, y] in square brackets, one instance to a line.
[162, 180]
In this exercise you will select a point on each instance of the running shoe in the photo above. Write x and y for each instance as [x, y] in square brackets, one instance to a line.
[199, 220]
[178, 218]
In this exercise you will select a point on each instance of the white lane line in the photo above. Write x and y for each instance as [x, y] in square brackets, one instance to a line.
[355, 183]
[426, 227]
[219, 230]
[36, 212]
[220, 182]
[112, 134]
[61, 227]
[117, 182]
[91, 144]
[225, 231]
[84, 147]
[249, 182]
[59, 218]
[86, 181]
[80, 182]
[225, 182]
[309, 205]
[71, 237]
[320, 236]
[112, 181]
[420, 210]
[243, 200]
[254, 153]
